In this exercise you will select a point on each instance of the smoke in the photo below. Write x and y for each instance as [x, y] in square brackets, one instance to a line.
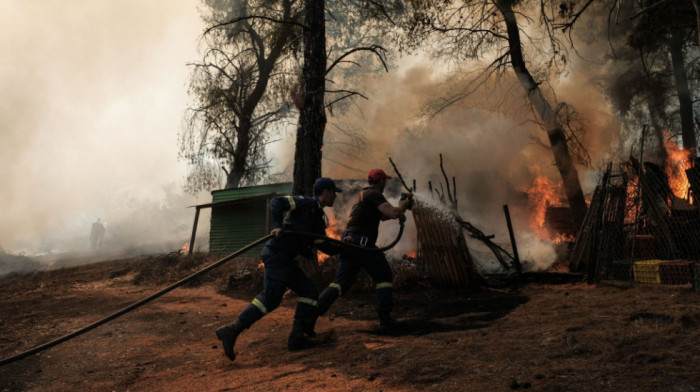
[93, 97]
[488, 143]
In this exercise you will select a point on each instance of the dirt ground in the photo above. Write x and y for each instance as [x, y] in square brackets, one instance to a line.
[538, 337]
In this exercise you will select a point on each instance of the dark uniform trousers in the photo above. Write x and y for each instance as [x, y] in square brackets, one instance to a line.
[349, 265]
[281, 272]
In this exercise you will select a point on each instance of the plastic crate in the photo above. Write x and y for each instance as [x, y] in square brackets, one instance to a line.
[647, 271]
[643, 246]
[696, 277]
[676, 272]
[622, 270]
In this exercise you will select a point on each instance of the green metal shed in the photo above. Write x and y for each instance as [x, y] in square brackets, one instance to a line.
[239, 216]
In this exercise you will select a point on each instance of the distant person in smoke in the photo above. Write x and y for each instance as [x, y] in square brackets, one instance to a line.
[97, 233]
[362, 230]
[299, 214]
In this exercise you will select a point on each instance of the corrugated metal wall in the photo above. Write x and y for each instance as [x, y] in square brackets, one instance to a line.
[233, 227]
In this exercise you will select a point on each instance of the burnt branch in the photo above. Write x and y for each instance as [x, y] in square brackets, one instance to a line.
[447, 182]
[398, 174]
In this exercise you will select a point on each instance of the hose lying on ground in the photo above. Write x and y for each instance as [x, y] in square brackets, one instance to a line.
[180, 283]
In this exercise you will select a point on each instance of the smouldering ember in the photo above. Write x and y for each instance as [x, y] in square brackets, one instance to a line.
[632, 200]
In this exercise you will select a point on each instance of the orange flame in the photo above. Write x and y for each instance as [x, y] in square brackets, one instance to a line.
[632, 206]
[411, 255]
[543, 193]
[677, 161]
[561, 238]
[185, 248]
[333, 231]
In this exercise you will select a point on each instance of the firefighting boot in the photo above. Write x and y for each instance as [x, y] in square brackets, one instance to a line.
[297, 340]
[387, 324]
[309, 327]
[228, 335]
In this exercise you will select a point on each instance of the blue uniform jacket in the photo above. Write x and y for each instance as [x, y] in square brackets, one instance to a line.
[300, 214]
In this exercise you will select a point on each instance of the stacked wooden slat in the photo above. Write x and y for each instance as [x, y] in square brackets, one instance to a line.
[601, 236]
[658, 212]
[587, 236]
[443, 248]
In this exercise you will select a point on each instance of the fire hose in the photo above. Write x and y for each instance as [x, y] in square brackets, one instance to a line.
[179, 283]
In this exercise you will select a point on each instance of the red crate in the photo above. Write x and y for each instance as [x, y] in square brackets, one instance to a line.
[676, 272]
[643, 247]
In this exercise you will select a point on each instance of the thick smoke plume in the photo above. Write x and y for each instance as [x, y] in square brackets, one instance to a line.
[486, 142]
[93, 95]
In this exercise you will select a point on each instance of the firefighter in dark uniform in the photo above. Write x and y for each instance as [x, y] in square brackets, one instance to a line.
[297, 214]
[362, 230]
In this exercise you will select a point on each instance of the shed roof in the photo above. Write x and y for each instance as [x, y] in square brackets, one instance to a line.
[251, 191]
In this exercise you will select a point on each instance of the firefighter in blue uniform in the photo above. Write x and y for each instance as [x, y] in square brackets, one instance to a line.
[296, 214]
[362, 230]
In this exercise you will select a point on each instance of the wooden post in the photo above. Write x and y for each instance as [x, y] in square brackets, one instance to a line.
[516, 259]
[194, 230]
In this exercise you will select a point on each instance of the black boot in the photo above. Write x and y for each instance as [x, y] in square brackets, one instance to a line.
[228, 335]
[297, 339]
[309, 327]
[388, 324]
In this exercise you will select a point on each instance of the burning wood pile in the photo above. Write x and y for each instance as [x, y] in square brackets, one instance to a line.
[442, 247]
[639, 212]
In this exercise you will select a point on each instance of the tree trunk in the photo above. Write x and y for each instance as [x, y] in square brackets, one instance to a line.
[312, 118]
[659, 134]
[696, 4]
[240, 153]
[555, 132]
[684, 98]
[247, 109]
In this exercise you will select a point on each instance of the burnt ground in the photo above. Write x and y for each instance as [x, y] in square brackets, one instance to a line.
[538, 337]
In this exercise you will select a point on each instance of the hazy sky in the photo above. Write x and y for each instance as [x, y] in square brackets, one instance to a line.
[92, 99]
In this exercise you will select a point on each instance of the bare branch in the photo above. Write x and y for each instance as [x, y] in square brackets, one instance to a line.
[242, 18]
[376, 49]
[347, 95]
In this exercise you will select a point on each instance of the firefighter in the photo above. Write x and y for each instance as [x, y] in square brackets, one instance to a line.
[362, 230]
[297, 214]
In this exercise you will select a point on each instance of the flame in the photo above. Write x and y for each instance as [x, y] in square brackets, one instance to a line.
[677, 161]
[561, 238]
[632, 200]
[543, 193]
[185, 248]
[411, 255]
[333, 231]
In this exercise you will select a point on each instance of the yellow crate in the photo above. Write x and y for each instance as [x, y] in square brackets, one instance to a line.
[647, 271]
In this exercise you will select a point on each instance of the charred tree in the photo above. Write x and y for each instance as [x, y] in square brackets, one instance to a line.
[553, 127]
[696, 5]
[312, 117]
[685, 101]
